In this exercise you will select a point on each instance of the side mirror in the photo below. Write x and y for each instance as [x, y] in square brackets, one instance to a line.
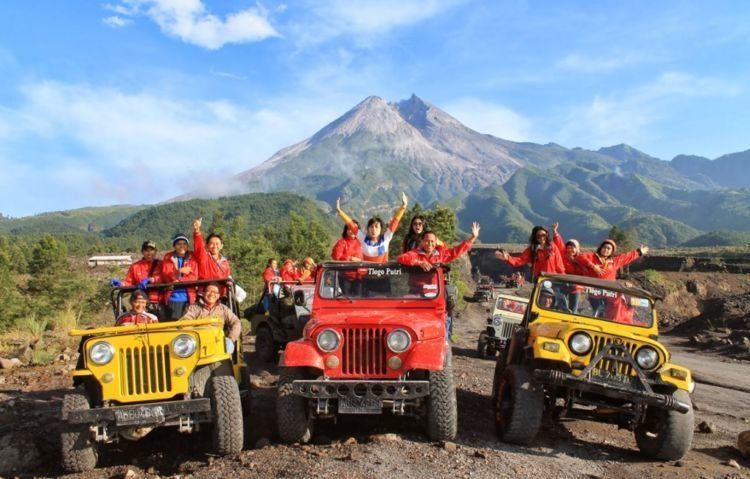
[299, 298]
[533, 316]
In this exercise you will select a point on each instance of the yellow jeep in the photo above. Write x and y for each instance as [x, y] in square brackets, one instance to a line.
[589, 349]
[132, 379]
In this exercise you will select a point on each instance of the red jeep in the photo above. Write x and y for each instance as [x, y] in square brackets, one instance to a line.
[375, 342]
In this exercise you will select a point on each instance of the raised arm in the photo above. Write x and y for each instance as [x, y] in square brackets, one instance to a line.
[393, 224]
[462, 248]
[557, 238]
[199, 248]
[627, 258]
[345, 218]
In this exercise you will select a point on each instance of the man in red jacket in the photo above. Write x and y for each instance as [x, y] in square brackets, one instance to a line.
[605, 264]
[144, 271]
[178, 266]
[211, 263]
[430, 253]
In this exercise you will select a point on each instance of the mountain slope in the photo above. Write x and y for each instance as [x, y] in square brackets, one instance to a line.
[92, 219]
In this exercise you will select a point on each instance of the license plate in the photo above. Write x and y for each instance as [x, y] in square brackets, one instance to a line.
[139, 415]
[348, 405]
[612, 378]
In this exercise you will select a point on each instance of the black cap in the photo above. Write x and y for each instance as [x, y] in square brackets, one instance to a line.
[148, 244]
[138, 294]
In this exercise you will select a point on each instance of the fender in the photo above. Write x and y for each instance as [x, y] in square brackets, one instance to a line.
[301, 354]
[428, 355]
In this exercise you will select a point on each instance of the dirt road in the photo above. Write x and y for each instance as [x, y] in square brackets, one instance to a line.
[385, 446]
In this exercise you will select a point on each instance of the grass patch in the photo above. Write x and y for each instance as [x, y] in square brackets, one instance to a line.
[33, 326]
[655, 277]
[42, 356]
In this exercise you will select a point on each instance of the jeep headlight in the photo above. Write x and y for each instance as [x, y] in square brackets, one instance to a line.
[580, 343]
[398, 341]
[328, 340]
[497, 320]
[647, 357]
[184, 345]
[101, 353]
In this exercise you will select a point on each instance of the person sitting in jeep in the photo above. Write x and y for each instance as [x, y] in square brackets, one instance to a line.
[212, 308]
[430, 253]
[137, 313]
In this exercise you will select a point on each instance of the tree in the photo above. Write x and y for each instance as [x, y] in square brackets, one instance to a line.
[626, 239]
[304, 238]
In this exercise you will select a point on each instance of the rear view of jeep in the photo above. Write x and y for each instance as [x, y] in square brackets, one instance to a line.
[375, 343]
[589, 349]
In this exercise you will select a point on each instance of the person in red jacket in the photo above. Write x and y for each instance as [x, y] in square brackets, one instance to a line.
[178, 266]
[137, 313]
[605, 264]
[211, 263]
[348, 247]
[271, 278]
[572, 262]
[288, 271]
[430, 253]
[376, 242]
[541, 254]
[142, 272]
[305, 273]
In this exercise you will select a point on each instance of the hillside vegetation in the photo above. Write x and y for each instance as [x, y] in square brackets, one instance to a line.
[69, 221]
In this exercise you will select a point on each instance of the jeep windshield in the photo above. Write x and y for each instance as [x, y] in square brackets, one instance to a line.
[598, 302]
[379, 282]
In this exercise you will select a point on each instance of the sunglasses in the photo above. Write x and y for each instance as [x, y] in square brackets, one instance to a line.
[417, 223]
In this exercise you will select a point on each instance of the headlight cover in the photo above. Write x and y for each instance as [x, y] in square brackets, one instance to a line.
[328, 340]
[647, 357]
[101, 353]
[398, 341]
[580, 343]
[184, 345]
[497, 320]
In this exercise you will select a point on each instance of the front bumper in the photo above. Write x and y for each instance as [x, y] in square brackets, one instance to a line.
[357, 389]
[610, 389]
[162, 413]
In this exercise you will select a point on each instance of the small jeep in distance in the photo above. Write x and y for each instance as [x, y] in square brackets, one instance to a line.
[132, 379]
[283, 322]
[601, 362]
[375, 342]
[485, 289]
[506, 314]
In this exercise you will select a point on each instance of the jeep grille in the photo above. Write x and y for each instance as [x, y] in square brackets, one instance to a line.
[506, 329]
[145, 370]
[363, 351]
[614, 367]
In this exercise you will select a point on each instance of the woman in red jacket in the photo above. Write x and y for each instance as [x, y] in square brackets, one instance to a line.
[348, 247]
[542, 254]
[288, 271]
[178, 266]
[605, 265]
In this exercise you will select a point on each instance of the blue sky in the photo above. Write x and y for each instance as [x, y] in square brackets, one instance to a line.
[138, 101]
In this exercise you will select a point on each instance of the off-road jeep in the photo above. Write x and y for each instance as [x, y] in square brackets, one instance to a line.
[283, 322]
[375, 343]
[485, 289]
[506, 314]
[132, 379]
[595, 356]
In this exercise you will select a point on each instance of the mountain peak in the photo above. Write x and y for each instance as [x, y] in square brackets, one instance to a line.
[373, 114]
[624, 152]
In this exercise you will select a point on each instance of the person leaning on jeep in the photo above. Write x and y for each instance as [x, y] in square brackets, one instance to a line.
[137, 313]
[212, 308]
[142, 272]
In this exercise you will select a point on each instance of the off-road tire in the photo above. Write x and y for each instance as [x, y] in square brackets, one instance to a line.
[667, 434]
[265, 346]
[482, 346]
[518, 405]
[226, 405]
[79, 452]
[292, 411]
[442, 410]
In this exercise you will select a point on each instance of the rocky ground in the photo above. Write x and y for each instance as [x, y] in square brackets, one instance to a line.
[388, 446]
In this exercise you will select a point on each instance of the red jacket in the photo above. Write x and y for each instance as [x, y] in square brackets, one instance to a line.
[440, 254]
[288, 273]
[548, 260]
[139, 271]
[268, 275]
[619, 311]
[347, 248]
[208, 267]
[169, 274]
[572, 265]
[130, 318]
[610, 265]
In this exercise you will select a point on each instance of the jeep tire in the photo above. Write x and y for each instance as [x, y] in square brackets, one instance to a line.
[226, 405]
[292, 411]
[79, 453]
[266, 347]
[482, 346]
[442, 414]
[518, 406]
[667, 434]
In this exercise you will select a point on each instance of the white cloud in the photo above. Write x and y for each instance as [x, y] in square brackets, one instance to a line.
[363, 19]
[230, 76]
[491, 118]
[628, 116]
[191, 22]
[111, 146]
[116, 22]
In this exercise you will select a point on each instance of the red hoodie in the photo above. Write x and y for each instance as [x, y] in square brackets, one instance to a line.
[347, 248]
[169, 274]
[548, 260]
[208, 267]
[610, 265]
[440, 254]
[288, 273]
[141, 270]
